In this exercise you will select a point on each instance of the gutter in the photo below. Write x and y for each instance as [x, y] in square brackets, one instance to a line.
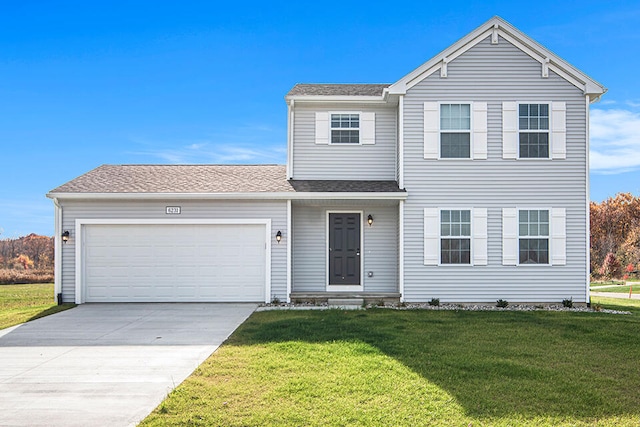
[231, 196]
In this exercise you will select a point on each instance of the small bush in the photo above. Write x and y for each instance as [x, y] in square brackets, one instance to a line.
[567, 302]
[434, 302]
[275, 300]
[502, 303]
[596, 307]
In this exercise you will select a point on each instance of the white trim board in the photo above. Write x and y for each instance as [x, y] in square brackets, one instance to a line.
[80, 298]
[399, 195]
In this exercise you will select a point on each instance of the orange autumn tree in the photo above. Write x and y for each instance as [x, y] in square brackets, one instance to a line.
[615, 229]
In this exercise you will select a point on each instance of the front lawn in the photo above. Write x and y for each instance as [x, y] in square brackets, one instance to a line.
[21, 303]
[408, 368]
[619, 288]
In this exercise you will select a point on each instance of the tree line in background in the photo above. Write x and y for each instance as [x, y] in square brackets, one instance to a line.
[615, 237]
[27, 259]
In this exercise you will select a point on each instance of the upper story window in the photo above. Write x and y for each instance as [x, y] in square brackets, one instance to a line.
[345, 128]
[533, 124]
[533, 236]
[455, 131]
[455, 237]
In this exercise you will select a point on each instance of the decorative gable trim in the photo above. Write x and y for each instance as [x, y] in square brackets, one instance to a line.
[494, 28]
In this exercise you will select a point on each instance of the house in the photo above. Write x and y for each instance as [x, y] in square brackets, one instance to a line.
[466, 180]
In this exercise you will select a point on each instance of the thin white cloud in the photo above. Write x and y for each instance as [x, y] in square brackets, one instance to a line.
[198, 153]
[615, 141]
[252, 143]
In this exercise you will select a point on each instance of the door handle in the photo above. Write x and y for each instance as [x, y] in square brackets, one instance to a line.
[358, 252]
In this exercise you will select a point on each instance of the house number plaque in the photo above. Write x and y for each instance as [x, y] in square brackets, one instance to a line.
[173, 210]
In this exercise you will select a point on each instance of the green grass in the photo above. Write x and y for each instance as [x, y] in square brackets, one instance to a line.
[619, 288]
[411, 368]
[21, 303]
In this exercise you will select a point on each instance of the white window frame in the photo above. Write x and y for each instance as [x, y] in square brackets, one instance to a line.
[359, 128]
[440, 237]
[549, 236]
[441, 131]
[548, 131]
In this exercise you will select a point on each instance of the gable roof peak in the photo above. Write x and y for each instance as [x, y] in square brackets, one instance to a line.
[498, 27]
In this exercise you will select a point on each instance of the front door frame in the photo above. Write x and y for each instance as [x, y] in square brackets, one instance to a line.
[344, 288]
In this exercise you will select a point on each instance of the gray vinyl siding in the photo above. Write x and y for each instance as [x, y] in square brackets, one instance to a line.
[493, 74]
[310, 247]
[344, 161]
[205, 209]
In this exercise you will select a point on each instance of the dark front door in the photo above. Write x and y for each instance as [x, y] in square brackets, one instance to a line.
[344, 249]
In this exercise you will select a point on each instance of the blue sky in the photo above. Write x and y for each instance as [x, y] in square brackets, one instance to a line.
[87, 83]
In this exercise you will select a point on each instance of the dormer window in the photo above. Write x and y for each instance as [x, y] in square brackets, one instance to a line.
[345, 128]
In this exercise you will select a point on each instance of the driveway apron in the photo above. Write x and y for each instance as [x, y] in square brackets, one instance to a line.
[106, 364]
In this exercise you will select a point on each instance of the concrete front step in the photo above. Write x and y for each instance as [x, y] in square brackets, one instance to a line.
[346, 303]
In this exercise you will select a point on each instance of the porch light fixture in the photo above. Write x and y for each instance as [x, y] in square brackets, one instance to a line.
[370, 220]
[65, 236]
[278, 236]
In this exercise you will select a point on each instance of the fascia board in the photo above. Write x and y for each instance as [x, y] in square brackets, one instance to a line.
[231, 196]
[337, 98]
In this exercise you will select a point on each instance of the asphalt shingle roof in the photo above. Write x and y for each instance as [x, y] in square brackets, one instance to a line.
[330, 186]
[337, 89]
[180, 179]
[209, 179]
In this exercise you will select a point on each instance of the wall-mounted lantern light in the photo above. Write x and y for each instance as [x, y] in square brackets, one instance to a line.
[278, 236]
[370, 220]
[65, 236]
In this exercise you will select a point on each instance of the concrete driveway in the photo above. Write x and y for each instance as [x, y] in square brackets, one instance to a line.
[106, 364]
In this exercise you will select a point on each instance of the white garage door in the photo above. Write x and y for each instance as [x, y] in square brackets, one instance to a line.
[174, 262]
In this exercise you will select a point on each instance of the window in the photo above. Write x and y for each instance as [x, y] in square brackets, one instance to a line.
[533, 123]
[533, 236]
[455, 131]
[455, 237]
[345, 128]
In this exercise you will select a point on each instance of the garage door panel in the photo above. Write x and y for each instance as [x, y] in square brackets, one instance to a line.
[174, 262]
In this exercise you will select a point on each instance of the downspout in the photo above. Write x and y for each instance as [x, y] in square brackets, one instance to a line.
[57, 257]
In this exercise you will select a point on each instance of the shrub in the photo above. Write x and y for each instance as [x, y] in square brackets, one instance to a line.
[567, 302]
[502, 303]
[434, 302]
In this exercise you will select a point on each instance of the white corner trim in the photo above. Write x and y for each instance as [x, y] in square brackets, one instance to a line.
[401, 142]
[587, 240]
[289, 242]
[57, 244]
[401, 249]
[290, 138]
[80, 297]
